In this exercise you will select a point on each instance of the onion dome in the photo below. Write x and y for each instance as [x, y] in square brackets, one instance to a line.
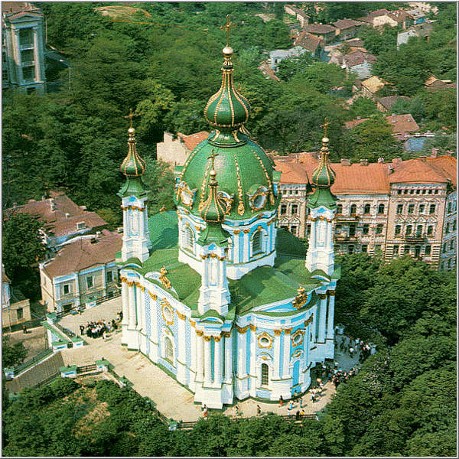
[247, 183]
[324, 175]
[227, 109]
[323, 178]
[133, 167]
[213, 213]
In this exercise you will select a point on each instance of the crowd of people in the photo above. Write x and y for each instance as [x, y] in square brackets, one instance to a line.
[99, 329]
[354, 347]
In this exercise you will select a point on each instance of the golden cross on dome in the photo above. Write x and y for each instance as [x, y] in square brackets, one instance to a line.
[130, 116]
[227, 27]
[325, 126]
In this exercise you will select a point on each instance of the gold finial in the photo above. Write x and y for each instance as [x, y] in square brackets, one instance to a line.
[212, 158]
[130, 117]
[325, 126]
[227, 27]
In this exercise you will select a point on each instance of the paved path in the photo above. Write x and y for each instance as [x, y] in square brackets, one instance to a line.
[171, 398]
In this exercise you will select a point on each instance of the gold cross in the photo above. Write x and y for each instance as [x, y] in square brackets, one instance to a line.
[212, 158]
[325, 126]
[227, 27]
[130, 116]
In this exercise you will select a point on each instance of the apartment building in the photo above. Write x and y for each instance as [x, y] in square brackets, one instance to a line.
[403, 207]
[23, 47]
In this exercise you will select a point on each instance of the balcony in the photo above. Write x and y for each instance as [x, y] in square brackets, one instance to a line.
[415, 238]
[347, 218]
[345, 238]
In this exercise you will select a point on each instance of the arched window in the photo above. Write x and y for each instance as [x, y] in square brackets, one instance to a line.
[188, 239]
[264, 374]
[257, 243]
[169, 349]
[353, 209]
[339, 209]
[366, 209]
[409, 230]
[381, 209]
[419, 231]
[398, 229]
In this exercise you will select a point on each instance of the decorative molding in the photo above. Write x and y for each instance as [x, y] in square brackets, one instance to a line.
[162, 277]
[181, 316]
[323, 296]
[331, 292]
[207, 338]
[309, 320]
[226, 334]
[252, 327]
[152, 295]
[217, 338]
[287, 331]
[242, 329]
[265, 336]
[301, 298]
[277, 332]
[199, 332]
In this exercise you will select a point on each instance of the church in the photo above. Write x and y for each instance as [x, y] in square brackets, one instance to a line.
[212, 293]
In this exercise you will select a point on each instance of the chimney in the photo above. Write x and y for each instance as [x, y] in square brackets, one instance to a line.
[364, 162]
[67, 215]
[434, 152]
[345, 162]
[381, 160]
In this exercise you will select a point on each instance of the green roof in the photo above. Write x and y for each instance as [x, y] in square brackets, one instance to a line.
[263, 285]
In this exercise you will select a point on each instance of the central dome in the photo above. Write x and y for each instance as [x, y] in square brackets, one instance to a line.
[245, 173]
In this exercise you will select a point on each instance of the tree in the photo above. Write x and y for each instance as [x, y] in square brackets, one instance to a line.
[289, 68]
[22, 244]
[362, 107]
[12, 354]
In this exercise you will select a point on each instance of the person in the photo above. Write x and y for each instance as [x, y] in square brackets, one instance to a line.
[302, 413]
[281, 401]
[290, 406]
[205, 413]
[237, 410]
[203, 407]
[258, 410]
[24, 329]
[81, 329]
[301, 402]
[297, 415]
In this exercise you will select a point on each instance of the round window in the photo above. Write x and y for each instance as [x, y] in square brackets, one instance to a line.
[168, 316]
[264, 341]
[259, 201]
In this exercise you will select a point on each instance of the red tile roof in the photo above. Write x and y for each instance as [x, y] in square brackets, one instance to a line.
[389, 101]
[308, 41]
[373, 178]
[82, 254]
[402, 123]
[192, 140]
[358, 58]
[60, 214]
[319, 28]
[344, 24]
[352, 124]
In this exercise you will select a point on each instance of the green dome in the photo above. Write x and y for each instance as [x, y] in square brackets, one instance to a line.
[324, 175]
[227, 109]
[245, 173]
[133, 165]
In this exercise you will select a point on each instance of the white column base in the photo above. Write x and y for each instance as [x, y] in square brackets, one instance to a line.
[330, 348]
[281, 387]
[211, 397]
[241, 390]
[130, 338]
[181, 374]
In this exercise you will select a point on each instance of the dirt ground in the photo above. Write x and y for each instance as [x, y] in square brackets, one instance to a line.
[34, 340]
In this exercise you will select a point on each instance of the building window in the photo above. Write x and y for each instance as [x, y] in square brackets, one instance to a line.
[351, 249]
[381, 208]
[366, 209]
[28, 74]
[429, 230]
[339, 209]
[366, 228]
[398, 229]
[406, 249]
[26, 37]
[20, 313]
[66, 289]
[169, 349]
[81, 225]
[294, 230]
[449, 207]
[409, 230]
[451, 244]
[428, 250]
[379, 228]
[109, 276]
[283, 209]
[411, 208]
[444, 248]
[352, 229]
[447, 228]
[432, 209]
[449, 264]
[399, 208]
[364, 248]
[90, 281]
[294, 209]
[454, 225]
[264, 374]
[257, 243]
[189, 238]
[419, 231]
[417, 251]
[422, 208]
[396, 249]
[353, 209]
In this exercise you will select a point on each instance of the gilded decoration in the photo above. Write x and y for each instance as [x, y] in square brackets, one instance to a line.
[300, 299]
[217, 338]
[181, 316]
[152, 295]
[309, 320]
[207, 338]
[297, 338]
[167, 312]
[258, 199]
[265, 340]
[225, 199]
[323, 296]
[297, 353]
[226, 334]
[186, 194]
[277, 332]
[331, 293]
[236, 231]
[252, 327]
[242, 329]
[287, 331]
[240, 207]
[162, 277]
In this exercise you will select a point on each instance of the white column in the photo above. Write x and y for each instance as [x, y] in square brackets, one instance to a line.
[229, 358]
[286, 359]
[207, 361]
[124, 302]
[331, 314]
[277, 359]
[194, 350]
[241, 350]
[132, 307]
[329, 234]
[253, 351]
[154, 322]
[36, 54]
[181, 348]
[323, 317]
[140, 309]
[199, 357]
[218, 360]
[312, 239]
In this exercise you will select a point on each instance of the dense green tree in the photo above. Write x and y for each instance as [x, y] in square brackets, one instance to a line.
[12, 354]
[362, 107]
[379, 40]
[288, 68]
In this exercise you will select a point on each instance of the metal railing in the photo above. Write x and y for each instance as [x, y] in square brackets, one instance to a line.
[33, 361]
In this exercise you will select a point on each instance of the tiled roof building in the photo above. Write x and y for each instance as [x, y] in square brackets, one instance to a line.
[395, 208]
[176, 148]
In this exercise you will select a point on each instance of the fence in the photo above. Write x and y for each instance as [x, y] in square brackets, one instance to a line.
[33, 361]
